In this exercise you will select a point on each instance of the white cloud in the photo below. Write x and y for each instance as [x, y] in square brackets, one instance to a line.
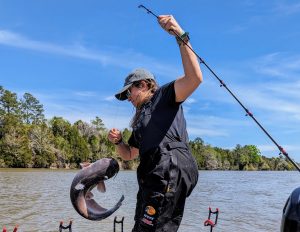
[119, 58]
[210, 121]
[199, 132]
[274, 101]
[85, 94]
[272, 89]
[286, 89]
[270, 92]
[16, 40]
[267, 148]
[273, 151]
[110, 98]
[277, 65]
[269, 101]
[211, 126]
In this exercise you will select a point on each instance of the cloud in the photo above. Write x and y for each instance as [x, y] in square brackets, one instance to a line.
[110, 98]
[211, 126]
[288, 90]
[15, 40]
[117, 58]
[199, 132]
[267, 148]
[272, 96]
[272, 149]
[277, 65]
[85, 94]
[270, 100]
[269, 83]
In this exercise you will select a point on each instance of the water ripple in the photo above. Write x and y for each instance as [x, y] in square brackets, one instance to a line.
[38, 200]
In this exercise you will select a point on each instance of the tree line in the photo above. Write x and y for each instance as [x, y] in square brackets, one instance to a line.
[29, 140]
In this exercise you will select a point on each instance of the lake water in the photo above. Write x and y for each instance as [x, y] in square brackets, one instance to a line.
[37, 200]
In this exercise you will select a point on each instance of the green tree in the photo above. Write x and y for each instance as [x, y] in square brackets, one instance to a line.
[14, 147]
[197, 148]
[32, 110]
[254, 154]
[226, 158]
[79, 146]
[283, 165]
[244, 160]
[60, 127]
[9, 114]
[236, 154]
[61, 130]
[86, 130]
[9, 103]
[264, 166]
[63, 151]
[211, 158]
[94, 146]
[2, 90]
[98, 123]
[42, 146]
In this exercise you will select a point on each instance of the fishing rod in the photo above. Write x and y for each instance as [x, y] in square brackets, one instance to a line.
[222, 84]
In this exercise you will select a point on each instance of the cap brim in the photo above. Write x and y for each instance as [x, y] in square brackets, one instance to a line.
[121, 95]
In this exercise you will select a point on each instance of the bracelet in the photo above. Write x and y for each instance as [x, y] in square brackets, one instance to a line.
[184, 37]
[119, 142]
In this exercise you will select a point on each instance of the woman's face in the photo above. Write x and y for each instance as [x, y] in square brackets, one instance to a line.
[136, 94]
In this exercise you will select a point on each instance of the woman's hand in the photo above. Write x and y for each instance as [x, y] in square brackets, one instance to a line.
[124, 150]
[114, 135]
[168, 23]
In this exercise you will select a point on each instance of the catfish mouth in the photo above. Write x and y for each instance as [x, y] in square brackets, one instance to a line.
[113, 170]
[85, 181]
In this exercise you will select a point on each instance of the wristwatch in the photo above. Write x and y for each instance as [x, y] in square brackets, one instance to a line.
[119, 142]
[184, 37]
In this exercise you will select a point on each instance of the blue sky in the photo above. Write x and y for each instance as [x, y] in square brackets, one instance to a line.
[73, 56]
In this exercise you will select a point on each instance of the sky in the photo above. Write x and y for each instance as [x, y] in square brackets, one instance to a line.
[73, 57]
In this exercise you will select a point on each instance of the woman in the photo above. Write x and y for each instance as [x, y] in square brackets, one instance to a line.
[167, 172]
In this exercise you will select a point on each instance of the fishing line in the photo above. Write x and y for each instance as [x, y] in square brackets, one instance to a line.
[222, 84]
[115, 114]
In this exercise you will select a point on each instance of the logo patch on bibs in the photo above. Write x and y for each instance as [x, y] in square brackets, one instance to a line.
[150, 210]
[148, 215]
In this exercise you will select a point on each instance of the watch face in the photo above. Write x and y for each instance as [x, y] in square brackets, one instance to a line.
[183, 38]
